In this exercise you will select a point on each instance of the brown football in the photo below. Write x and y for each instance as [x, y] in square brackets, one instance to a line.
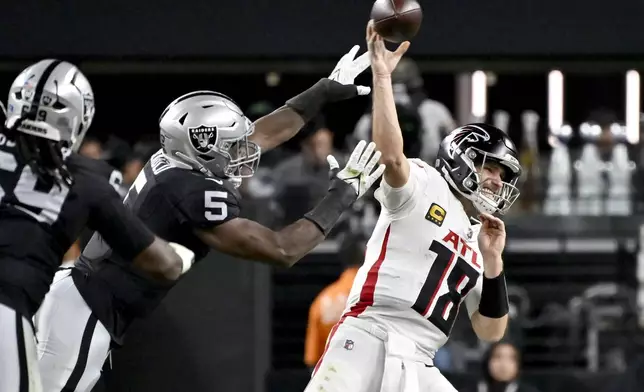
[397, 20]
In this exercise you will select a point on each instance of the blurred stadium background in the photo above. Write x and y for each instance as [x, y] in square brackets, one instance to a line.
[561, 77]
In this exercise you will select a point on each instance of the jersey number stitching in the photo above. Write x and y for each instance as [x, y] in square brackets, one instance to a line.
[216, 209]
[460, 280]
[116, 179]
[220, 207]
[41, 202]
[135, 189]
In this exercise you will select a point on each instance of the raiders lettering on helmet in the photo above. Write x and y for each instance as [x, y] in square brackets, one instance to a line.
[203, 138]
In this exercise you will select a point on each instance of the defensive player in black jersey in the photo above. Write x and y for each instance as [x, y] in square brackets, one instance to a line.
[48, 194]
[187, 194]
[115, 178]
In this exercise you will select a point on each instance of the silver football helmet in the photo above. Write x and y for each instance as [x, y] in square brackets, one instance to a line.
[51, 99]
[207, 131]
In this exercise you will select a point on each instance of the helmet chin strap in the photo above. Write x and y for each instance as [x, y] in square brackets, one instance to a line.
[236, 181]
[177, 162]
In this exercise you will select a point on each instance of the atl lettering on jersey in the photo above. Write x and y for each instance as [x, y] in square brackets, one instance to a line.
[422, 262]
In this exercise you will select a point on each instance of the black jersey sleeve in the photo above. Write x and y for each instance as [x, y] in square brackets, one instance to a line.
[79, 163]
[85, 166]
[123, 231]
[208, 203]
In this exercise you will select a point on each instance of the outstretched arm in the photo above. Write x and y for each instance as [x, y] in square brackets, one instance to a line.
[276, 128]
[250, 240]
[386, 130]
[284, 123]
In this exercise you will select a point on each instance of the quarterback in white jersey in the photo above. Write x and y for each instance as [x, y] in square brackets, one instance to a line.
[426, 255]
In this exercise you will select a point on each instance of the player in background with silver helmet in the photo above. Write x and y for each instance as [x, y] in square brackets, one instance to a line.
[48, 194]
[187, 193]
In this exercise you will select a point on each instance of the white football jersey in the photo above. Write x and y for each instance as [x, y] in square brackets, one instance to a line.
[422, 261]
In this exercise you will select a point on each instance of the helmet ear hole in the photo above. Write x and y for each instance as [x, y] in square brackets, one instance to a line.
[471, 182]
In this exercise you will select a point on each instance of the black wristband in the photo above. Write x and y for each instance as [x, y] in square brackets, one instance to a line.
[326, 214]
[494, 297]
[309, 103]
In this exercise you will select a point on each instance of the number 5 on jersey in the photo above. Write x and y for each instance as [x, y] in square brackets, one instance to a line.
[216, 208]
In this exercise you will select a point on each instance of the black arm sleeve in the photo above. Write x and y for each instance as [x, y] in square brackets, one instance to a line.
[123, 231]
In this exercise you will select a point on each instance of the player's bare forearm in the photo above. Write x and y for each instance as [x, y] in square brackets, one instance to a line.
[387, 134]
[159, 261]
[276, 128]
[298, 239]
[250, 240]
[489, 329]
[493, 266]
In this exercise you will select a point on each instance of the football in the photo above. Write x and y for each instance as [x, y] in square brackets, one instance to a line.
[396, 20]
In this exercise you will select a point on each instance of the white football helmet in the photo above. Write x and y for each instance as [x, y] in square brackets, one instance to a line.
[207, 131]
[51, 99]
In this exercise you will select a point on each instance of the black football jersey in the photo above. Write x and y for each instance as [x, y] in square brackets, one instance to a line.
[172, 202]
[115, 178]
[39, 222]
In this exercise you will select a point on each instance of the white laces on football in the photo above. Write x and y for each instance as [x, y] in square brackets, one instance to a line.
[348, 68]
[359, 168]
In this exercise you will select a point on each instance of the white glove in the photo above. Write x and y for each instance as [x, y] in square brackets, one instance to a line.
[348, 68]
[357, 172]
[187, 256]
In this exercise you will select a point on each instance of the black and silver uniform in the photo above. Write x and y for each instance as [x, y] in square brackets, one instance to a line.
[114, 176]
[39, 221]
[172, 202]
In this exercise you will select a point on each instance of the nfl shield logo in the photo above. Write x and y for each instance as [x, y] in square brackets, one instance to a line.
[203, 138]
[28, 88]
[348, 344]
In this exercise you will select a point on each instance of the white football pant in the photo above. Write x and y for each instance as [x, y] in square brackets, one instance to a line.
[362, 357]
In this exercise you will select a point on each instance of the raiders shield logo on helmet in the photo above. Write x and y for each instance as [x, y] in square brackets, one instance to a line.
[203, 138]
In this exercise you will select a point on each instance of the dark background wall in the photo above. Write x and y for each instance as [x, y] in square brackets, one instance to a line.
[256, 28]
[210, 334]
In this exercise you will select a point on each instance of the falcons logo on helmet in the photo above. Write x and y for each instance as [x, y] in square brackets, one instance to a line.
[470, 134]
